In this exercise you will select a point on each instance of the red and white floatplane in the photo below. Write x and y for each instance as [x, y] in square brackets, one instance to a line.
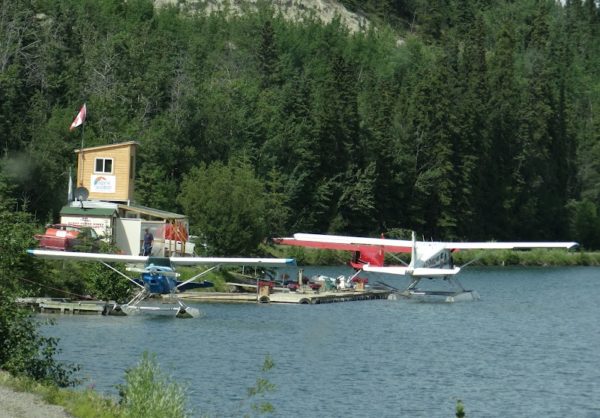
[429, 259]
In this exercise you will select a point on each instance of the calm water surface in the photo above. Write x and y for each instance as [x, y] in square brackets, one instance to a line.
[529, 348]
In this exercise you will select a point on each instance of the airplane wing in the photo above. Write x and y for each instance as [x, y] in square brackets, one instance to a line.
[416, 272]
[507, 245]
[182, 261]
[236, 261]
[339, 242]
[405, 246]
[77, 256]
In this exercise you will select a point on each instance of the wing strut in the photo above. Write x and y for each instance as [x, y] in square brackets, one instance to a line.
[124, 275]
[197, 276]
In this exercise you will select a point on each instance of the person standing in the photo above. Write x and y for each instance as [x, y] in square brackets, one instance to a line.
[148, 241]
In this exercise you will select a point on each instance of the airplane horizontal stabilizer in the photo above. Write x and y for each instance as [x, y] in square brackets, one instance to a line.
[417, 272]
[434, 272]
[397, 270]
[182, 287]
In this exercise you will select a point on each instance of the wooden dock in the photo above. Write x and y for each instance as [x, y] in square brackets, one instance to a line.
[299, 297]
[302, 297]
[63, 306]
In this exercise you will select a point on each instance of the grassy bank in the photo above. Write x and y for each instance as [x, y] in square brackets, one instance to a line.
[83, 404]
[147, 393]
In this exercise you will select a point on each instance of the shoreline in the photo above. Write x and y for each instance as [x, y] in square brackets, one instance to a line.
[24, 403]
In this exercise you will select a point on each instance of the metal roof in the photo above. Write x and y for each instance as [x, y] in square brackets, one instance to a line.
[107, 146]
[156, 213]
[79, 211]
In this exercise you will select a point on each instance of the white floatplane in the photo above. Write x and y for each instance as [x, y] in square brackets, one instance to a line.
[158, 276]
[429, 260]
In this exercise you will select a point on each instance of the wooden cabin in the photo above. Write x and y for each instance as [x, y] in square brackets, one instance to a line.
[103, 200]
[107, 171]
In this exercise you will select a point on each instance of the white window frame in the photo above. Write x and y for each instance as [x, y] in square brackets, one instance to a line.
[104, 159]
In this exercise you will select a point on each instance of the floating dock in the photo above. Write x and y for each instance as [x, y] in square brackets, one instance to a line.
[308, 297]
[263, 295]
[298, 297]
[63, 306]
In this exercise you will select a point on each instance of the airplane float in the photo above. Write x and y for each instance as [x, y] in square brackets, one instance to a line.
[158, 276]
[429, 259]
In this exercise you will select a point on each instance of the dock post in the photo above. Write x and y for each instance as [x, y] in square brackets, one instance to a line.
[264, 290]
[301, 286]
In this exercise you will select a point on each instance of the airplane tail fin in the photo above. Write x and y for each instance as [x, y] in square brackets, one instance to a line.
[413, 251]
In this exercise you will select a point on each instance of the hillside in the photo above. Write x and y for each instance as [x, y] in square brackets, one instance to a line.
[254, 124]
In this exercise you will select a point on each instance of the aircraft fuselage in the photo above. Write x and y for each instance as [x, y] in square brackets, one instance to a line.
[158, 283]
[433, 257]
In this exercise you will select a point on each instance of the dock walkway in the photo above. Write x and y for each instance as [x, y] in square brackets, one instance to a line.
[63, 306]
[298, 297]
[308, 297]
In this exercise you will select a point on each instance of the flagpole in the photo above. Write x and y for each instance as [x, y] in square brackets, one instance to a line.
[70, 188]
[83, 124]
[81, 152]
[80, 120]
[82, 131]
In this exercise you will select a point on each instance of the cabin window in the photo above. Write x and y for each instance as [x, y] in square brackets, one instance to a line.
[104, 165]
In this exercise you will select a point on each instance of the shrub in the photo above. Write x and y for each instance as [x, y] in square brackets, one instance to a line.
[24, 351]
[261, 388]
[460, 409]
[148, 393]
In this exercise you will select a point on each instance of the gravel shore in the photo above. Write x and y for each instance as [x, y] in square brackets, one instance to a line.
[15, 404]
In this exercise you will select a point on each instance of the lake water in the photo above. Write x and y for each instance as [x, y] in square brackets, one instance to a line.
[529, 348]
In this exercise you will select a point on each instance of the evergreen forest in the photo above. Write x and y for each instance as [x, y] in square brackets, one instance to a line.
[460, 119]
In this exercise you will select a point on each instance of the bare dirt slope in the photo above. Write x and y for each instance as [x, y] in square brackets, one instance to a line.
[14, 404]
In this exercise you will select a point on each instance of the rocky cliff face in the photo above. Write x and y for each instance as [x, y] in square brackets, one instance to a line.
[326, 10]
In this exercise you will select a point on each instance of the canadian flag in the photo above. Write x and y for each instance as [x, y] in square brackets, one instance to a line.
[80, 118]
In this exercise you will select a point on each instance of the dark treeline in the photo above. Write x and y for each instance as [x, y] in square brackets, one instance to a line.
[458, 119]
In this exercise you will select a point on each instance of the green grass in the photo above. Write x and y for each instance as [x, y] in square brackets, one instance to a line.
[147, 393]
